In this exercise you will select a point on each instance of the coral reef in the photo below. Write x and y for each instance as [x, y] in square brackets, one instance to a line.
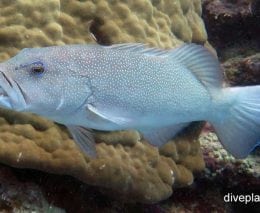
[223, 175]
[218, 159]
[163, 23]
[233, 29]
[33, 191]
[52, 193]
[229, 175]
[135, 169]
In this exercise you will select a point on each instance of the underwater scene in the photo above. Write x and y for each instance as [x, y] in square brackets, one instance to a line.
[110, 106]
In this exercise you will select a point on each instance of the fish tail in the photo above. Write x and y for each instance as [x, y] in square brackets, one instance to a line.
[239, 127]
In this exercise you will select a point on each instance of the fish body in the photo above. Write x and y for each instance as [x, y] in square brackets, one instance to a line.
[130, 86]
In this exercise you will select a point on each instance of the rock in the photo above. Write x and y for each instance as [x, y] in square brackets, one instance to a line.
[243, 71]
[229, 22]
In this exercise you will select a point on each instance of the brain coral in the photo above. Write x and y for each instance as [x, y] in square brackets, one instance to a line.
[126, 164]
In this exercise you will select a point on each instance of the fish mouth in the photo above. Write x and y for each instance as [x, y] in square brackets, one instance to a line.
[11, 94]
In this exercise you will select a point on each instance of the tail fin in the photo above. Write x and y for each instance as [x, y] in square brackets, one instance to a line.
[239, 132]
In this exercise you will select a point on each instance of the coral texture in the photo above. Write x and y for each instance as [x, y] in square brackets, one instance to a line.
[131, 168]
[125, 164]
[164, 23]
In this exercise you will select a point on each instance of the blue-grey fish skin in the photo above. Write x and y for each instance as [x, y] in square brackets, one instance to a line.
[134, 85]
[129, 87]
[143, 88]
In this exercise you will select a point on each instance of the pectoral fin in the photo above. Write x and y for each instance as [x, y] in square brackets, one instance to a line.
[84, 139]
[106, 116]
[159, 137]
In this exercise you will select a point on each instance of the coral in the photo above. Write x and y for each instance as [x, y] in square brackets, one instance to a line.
[34, 191]
[223, 175]
[226, 174]
[164, 23]
[133, 169]
[129, 168]
[20, 187]
[218, 159]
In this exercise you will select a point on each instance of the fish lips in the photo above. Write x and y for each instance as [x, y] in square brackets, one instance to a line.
[11, 94]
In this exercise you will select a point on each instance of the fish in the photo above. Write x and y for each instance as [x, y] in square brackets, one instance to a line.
[131, 86]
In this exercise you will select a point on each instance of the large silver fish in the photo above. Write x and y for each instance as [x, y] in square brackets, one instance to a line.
[131, 86]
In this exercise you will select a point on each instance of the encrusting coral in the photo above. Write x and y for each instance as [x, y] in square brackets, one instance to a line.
[163, 23]
[132, 168]
[125, 163]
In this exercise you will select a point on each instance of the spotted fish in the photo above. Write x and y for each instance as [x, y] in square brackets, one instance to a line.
[131, 86]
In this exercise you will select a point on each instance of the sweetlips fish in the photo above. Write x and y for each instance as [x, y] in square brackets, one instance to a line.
[131, 86]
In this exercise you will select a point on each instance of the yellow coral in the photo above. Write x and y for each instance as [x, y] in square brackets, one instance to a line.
[164, 23]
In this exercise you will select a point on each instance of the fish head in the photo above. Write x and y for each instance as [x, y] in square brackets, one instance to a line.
[39, 80]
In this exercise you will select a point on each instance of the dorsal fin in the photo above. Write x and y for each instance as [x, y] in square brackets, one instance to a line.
[201, 62]
[198, 59]
[139, 48]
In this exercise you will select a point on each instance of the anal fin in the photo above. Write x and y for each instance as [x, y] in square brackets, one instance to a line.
[159, 137]
[84, 139]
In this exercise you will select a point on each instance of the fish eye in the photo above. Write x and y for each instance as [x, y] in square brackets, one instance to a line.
[37, 68]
